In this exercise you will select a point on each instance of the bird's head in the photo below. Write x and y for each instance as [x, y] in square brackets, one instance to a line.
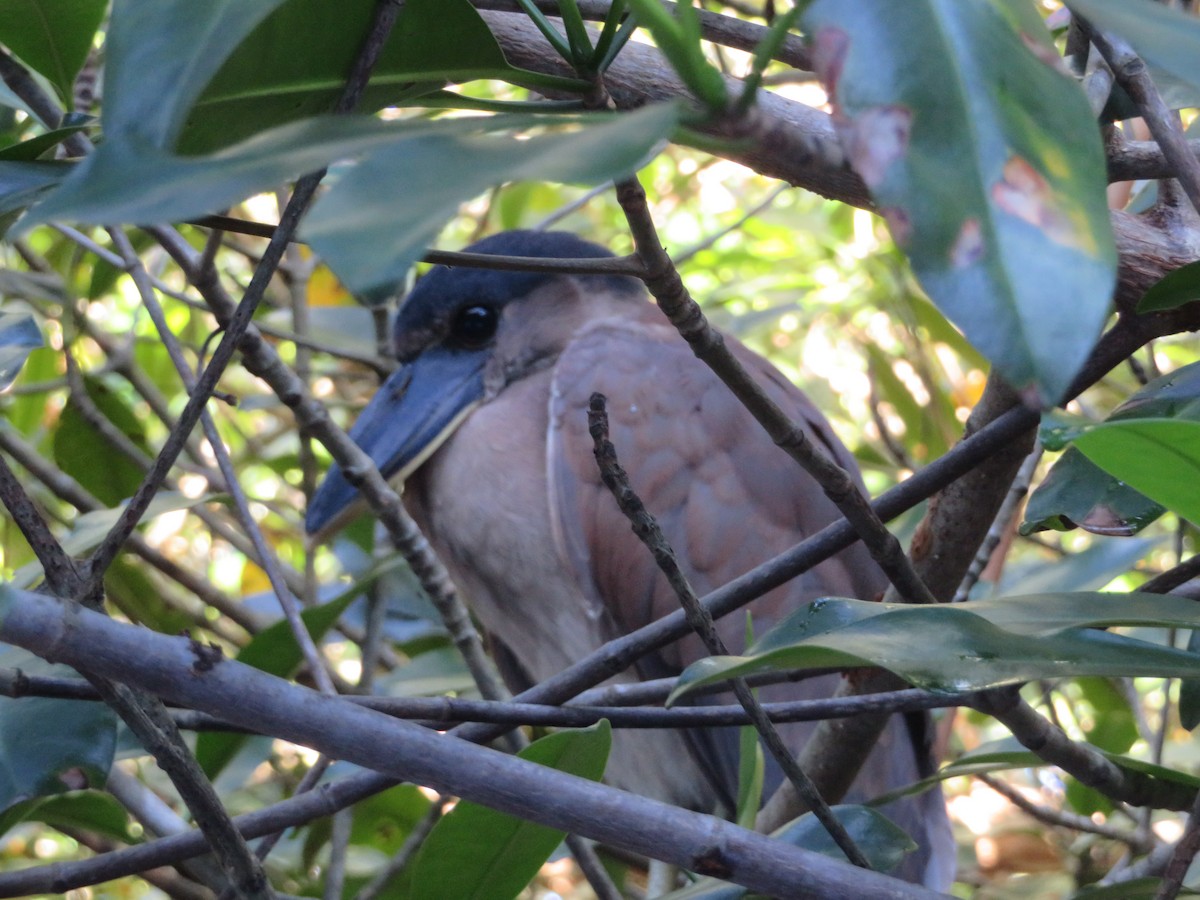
[461, 336]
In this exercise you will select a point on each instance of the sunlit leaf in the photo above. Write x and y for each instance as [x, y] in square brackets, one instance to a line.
[478, 852]
[1079, 491]
[984, 158]
[979, 644]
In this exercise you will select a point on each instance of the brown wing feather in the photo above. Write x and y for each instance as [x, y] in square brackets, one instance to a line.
[727, 499]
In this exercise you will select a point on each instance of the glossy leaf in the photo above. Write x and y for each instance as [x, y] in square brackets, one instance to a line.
[273, 650]
[1189, 690]
[375, 222]
[294, 64]
[49, 746]
[1077, 491]
[182, 46]
[52, 37]
[93, 810]
[1159, 457]
[1173, 289]
[986, 162]
[19, 335]
[883, 842]
[478, 852]
[980, 644]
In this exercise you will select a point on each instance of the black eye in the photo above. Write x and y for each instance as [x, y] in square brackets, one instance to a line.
[473, 326]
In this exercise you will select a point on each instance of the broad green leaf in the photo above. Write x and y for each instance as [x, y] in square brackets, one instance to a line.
[52, 37]
[1173, 289]
[1165, 38]
[375, 221]
[19, 335]
[1077, 491]
[294, 64]
[273, 650]
[986, 162]
[49, 746]
[979, 644]
[1113, 727]
[159, 56]
[30, 150]
[1159, 457]
[476, 852]
[882, 841]
[83, 452]
[93, 811]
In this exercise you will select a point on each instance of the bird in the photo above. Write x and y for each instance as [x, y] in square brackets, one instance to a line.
[484, 425]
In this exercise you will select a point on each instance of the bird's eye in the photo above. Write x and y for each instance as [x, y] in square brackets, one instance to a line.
[473, 326]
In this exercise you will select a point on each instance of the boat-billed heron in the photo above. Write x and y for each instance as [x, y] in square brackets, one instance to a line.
[485, 422]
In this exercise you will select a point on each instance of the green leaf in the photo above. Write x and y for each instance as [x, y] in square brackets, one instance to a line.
[19, 335]
[30, 150]
[1165, 38]
[1173, 289]
[94, 811]
[372, 226]
[182, 46]
[882, 841]
[1077, 491]
[52, 37]
[477, 852]
[1159, 457]
[981, 644]
[1112, 727]
[86, 455]
[49, 746]
[273, 650]
[985, 160]
[293, 65]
